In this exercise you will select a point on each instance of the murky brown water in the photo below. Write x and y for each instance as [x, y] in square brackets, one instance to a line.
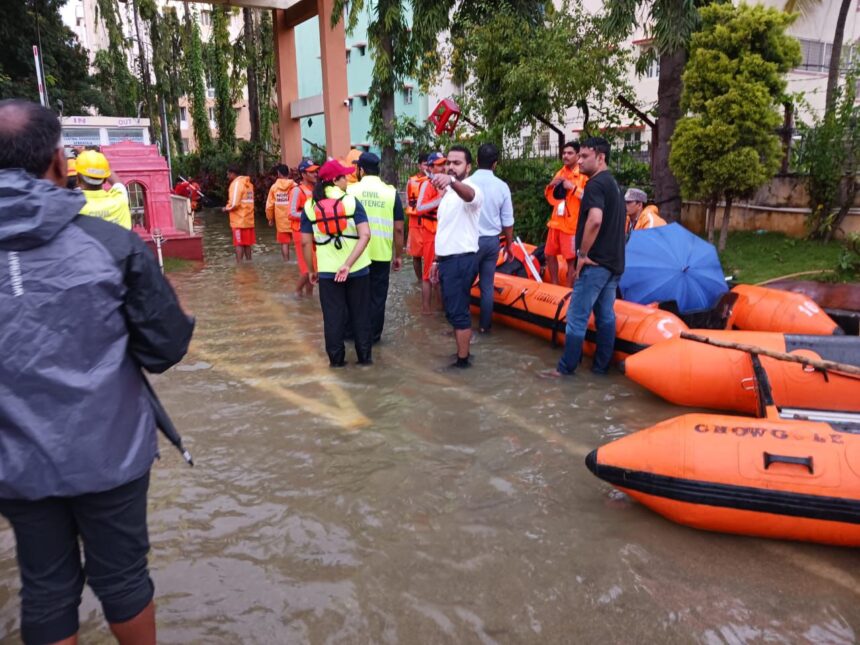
[403, 504]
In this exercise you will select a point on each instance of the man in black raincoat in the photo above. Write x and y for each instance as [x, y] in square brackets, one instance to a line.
[83, 306]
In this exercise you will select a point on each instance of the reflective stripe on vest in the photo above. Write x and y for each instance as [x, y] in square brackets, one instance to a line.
[378, 200]
[330, 258]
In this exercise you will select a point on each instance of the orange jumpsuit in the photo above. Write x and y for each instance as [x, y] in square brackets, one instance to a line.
[425, 208]
[565, 214]
[413, 188]
[240, 204]
[298, 196]
[278, 208]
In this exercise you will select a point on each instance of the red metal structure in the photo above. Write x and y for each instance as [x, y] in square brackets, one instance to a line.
[445, 116]
[144, 172]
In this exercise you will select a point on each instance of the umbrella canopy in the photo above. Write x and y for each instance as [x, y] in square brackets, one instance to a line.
[671, 263]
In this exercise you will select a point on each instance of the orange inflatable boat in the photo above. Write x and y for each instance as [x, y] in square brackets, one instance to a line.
[689, 373]
[795, 480]
[763, 309]
[540, 309]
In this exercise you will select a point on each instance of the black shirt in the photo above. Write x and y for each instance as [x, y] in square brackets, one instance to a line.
[602, 192]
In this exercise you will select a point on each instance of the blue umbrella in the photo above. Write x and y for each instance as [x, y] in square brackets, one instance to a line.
[670, 263]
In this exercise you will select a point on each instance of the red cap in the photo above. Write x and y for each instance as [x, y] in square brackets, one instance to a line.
[333, 169]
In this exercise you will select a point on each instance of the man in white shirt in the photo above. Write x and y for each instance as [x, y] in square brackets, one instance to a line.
[455, 266]
[497, 218]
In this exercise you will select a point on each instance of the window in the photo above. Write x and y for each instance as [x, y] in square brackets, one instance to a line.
[407, 96]
[212, 117]
[363, 99]
[137, 203]
[206, 18]
[816, 55]
[186, 146]
[543, 142]
[183, 115]
[653, 70]
[362, 49]
[348, 56]
[210, 89]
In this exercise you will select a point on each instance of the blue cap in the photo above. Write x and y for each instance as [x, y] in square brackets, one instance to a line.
[436, 158]
[307, 165]
[368, 160]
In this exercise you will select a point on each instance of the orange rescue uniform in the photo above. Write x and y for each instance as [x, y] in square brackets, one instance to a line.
[561, 238]
[648, 218]
[240, 203]
[425, 208]
[278, 208]
[413, 188]
[298, 196]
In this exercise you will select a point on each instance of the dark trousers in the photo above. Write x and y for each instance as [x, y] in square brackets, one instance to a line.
[343, 303]
[379, 275]
[111, 525]
[488, 256]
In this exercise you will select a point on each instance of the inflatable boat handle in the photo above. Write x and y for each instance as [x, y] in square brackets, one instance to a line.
[784, 459]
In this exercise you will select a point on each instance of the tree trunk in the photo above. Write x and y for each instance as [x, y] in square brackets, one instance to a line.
[149, 103]
[710, 218]
[253, 94]
[667, 193]
[835, 58]
[724, 229]
[386, 104]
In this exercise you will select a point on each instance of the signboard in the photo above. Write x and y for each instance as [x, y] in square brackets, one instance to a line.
[115, 135]
[81, 137]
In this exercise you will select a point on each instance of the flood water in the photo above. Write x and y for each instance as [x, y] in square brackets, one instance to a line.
[402, 503]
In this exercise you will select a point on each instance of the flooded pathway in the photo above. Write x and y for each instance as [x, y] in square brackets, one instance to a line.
[402, 503]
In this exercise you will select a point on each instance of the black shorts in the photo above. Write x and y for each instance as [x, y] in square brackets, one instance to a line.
[112, 527]
[456, 276]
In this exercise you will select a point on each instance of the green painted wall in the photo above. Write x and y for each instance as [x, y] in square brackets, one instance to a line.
[359, 76]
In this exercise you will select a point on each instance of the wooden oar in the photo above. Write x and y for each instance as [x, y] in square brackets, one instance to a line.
[824, 365]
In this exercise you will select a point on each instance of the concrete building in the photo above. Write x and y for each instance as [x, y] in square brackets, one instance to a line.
[80, 16]
[814, 31]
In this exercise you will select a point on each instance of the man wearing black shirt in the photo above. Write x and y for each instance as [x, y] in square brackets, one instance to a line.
[600, 261]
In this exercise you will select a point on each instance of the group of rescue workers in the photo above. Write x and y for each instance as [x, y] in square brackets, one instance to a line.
[347, 227]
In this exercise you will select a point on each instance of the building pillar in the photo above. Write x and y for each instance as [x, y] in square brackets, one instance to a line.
[286, 71]
[335, 88]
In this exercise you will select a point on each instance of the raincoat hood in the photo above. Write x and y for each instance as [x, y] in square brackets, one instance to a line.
[33, 211]
[284, 183]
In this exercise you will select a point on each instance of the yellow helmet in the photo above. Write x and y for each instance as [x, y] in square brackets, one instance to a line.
[72, 168]
[93, 167]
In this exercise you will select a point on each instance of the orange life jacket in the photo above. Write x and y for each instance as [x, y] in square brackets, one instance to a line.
[298, 196]
[565, 212]
[413, 187]
[331, 219]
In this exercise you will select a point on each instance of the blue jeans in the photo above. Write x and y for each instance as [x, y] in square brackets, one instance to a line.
[593, 290]
[488, 256]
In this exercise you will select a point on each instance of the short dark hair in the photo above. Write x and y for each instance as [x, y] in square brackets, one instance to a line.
[282, 169]
[598, 144]
[370, 169]
[571, 144]
[488, 154]
[464, 150]
[29, 136]
[234, 169]
[422, 158]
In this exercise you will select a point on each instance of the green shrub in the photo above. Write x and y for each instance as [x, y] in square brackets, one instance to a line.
[527, 179]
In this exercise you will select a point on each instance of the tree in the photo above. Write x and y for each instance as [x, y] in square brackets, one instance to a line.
[23, 24]
[220, 54]
[403, 38]
[168, 63]
[197, 81]
[119, 87]
[830, 156]
[804, 7]
[522, 72]
[670, 25]
[734, 83]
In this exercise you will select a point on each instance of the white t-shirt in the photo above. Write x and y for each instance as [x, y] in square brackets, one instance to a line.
[457, 222]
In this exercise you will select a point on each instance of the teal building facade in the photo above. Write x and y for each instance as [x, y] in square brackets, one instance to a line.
[408, 101]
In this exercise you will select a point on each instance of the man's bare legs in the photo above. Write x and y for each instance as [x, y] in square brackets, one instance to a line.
[140, 630]
[417, 265]
[285, 252]
[464, 339]
[552, 265]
